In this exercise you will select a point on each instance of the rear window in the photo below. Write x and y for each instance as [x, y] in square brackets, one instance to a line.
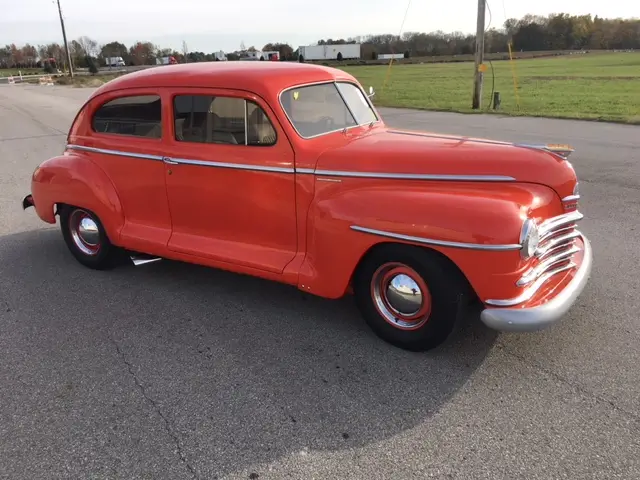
[139, 116]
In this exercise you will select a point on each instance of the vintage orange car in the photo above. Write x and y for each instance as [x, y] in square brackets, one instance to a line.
[286, 171]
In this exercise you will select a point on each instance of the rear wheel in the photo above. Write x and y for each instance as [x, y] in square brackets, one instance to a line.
[86, 238]
[409, 296]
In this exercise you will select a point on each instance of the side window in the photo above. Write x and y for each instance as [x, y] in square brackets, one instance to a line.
[140, 116]
[209, 119]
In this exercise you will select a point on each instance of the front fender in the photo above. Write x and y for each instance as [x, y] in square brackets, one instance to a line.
[479, 215]
[74, 180]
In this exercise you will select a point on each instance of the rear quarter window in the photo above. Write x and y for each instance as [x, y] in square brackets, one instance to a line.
[139, 116]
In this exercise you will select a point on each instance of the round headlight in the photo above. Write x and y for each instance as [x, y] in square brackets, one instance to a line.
[529, 238]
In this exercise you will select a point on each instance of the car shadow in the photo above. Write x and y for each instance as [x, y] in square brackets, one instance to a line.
[243, 371]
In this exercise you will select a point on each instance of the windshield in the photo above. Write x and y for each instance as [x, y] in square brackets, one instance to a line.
[327, 107]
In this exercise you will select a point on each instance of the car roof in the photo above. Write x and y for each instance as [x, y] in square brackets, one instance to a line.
[265, 78]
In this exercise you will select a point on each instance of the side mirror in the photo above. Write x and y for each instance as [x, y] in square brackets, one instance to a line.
[371, 92]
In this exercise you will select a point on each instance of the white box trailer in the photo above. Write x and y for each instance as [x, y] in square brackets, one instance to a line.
[114, 62]
[389, 56]
[349, 51]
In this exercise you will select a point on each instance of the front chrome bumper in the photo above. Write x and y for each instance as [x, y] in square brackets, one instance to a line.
[540, 317]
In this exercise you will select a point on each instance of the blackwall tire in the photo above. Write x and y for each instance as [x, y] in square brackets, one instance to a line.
[410, 297]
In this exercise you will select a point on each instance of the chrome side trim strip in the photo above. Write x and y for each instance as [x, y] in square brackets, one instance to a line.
[184, 161]
[117, 153]
[237, 166]
[416, 176]
[441, 243]
[530, 292]
[304, 171]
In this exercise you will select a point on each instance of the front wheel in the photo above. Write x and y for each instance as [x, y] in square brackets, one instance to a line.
[86, 238]
[409, 296]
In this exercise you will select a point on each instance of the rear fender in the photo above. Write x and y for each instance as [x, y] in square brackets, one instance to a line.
[74, 180]
[345, 223]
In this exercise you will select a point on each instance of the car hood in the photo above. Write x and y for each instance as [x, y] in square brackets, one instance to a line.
[397, 152]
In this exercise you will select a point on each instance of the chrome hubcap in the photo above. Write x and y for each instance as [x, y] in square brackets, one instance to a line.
[404, 295]
[84, 232]
[401, 297]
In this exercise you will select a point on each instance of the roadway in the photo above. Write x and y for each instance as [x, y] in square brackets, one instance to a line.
[177, 371]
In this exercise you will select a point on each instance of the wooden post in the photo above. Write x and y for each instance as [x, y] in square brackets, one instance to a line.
[479, 76]
[64, 37]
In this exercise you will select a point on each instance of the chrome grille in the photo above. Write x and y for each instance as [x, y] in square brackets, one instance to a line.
[556, 247]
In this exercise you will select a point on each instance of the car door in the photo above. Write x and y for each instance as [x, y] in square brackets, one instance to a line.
[230, 179]
[124, 138]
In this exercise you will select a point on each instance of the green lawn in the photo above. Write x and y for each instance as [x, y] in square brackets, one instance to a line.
[598, 86]
[14, 72]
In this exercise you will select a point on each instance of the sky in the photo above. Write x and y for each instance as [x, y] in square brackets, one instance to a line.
[207, 25]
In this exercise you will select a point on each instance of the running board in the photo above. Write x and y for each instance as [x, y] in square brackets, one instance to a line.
[143, 259]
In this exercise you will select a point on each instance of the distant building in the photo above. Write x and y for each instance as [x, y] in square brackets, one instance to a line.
[260, 55]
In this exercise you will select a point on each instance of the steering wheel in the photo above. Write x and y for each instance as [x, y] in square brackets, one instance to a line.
[329, 122]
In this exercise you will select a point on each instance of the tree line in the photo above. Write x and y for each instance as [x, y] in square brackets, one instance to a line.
[530, 33]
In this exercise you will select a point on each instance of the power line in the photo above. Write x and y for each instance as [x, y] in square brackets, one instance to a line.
[399, 35]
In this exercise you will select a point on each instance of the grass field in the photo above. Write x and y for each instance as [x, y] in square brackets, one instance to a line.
[596, 86]
[14, 72]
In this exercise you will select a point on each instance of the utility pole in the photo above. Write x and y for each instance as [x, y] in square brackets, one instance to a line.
[479, 75]
[64, 37]
[185, 51]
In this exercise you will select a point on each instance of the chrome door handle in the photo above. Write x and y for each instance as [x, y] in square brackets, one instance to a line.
[168, 161]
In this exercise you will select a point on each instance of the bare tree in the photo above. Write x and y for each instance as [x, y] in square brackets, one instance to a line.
[88, 46]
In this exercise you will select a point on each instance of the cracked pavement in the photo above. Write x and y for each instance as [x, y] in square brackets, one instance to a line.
[175, 371]
[158, 410]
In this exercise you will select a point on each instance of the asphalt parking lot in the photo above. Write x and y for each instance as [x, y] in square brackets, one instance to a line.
[175, 371]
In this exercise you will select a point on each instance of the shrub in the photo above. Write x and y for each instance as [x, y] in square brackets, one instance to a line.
[93, 68]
